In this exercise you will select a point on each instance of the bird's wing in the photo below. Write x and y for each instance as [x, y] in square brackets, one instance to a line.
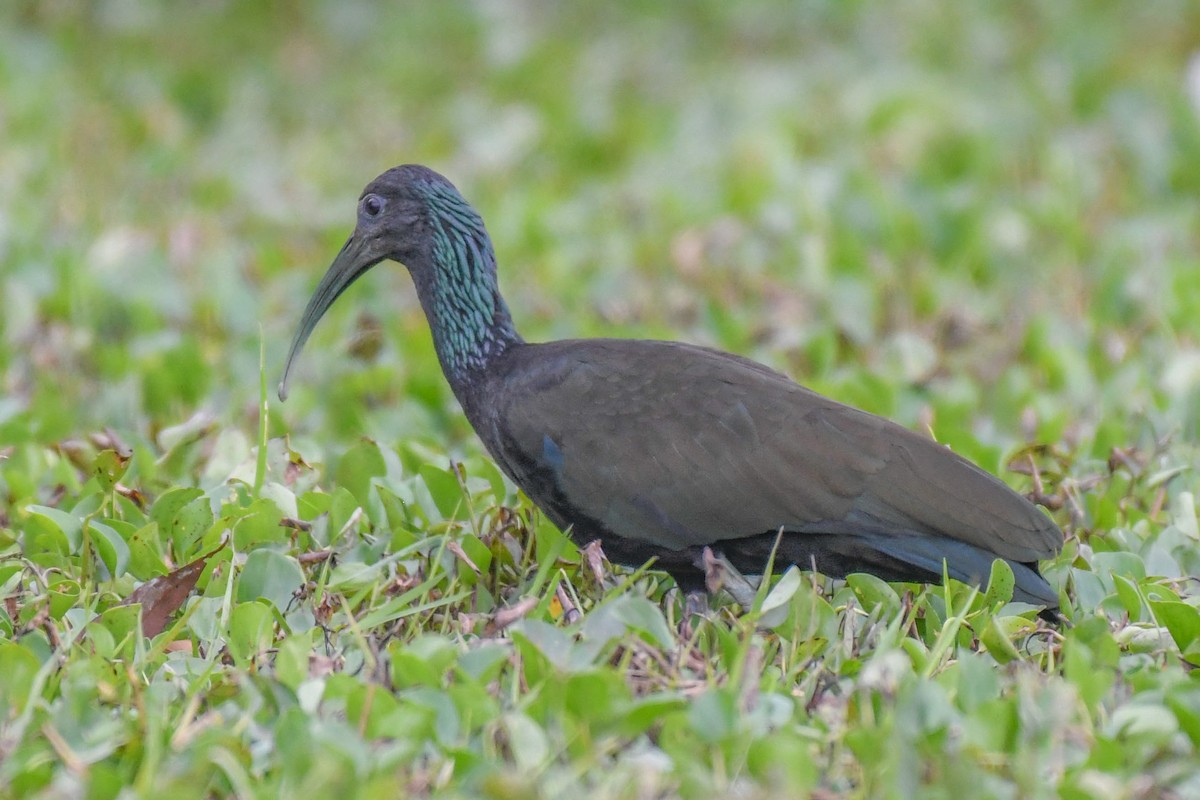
[681, 446]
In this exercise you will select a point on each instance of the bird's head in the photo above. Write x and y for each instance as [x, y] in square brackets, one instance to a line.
[396, 215]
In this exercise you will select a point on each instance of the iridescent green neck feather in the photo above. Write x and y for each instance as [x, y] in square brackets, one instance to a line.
[469, 319]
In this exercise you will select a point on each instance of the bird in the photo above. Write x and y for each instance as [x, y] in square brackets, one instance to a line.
[661, 450]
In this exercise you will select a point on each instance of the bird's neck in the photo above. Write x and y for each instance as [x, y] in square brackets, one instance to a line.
[469, 319]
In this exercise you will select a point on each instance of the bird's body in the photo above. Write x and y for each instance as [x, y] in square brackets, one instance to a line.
[661, 449]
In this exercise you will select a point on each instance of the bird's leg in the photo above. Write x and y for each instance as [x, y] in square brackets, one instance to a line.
[593, 554]
[695, 606]
[570, 611]
[720, 574]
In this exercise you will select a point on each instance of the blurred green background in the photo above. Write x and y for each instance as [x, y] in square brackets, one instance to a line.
[979, 219]
[953, 216]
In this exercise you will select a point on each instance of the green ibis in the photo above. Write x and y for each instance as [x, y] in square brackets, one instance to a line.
[663, 449]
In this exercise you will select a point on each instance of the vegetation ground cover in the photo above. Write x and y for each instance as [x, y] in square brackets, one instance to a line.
[981, 221]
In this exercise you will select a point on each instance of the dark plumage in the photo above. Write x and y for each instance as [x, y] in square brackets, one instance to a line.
[659, 449]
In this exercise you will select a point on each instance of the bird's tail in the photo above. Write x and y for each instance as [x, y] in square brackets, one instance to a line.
[893, 557]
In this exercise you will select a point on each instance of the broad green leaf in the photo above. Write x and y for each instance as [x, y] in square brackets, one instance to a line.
[121, 624]
[483, 663]
[188, 527]
[310, 505]
[66, 527]
[145, 553]
[625, 613]
[112, 547]
[270, 576]
[784, 758]
[423, 661]
[251, 630]
[108, 469]
[445, 490]
[978, 682]
[714, 714]
[357, 467]
[529, 742]
[595, 696]
[18, 666]
[341, 511]
[1184, 701]
[640, 715]
[541, 644]
[872, 592]
[999, 632]
[1182, 620]
[1000, 586]
[259, 525]
[291, 660]
[168, 505]
[495, 478]
[1129, 596]
[777, 603]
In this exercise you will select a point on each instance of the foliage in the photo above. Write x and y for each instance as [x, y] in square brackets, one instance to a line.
[979, 220]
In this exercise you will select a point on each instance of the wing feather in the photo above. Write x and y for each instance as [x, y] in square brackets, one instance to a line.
[681, 446]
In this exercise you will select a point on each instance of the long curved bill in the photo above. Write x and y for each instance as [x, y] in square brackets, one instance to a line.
[353, 260]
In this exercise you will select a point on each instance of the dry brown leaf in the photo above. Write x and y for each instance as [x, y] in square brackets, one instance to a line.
[456, 549]
[163, 596]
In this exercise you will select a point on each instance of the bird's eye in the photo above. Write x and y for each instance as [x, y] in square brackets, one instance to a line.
[372, 205]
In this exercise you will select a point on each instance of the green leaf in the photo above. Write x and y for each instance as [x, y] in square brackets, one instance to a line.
[251, 630]
[624, 613]
[145, 553]
[445, 490]
[777, 603]
[1184, 702]
[541, 645]
[259, 525]
[270, 576]
[999, 632]
[108, 468]
[713, 715]
[1119, 564]
[67, 528]
[18, 666]
[357, 467]
[64, 593]
[168, 505]
[640, 715]
[121, 625]
[1089, 652]
[291, 660]
[1128, 594]
[784, 759]
[311, 505]
[341, 511]
[113, 549]
[483, 663]
[978, 682]
[1181, 619]
[189, 527]
[529, 744]
[423, 661]
[1000, 586]
[595, 696]
[872, 592]
[495, 478]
